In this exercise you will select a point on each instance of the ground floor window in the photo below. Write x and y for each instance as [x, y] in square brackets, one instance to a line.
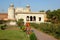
[34, 18]
[31, 18]
[39, 18]
[27, 18]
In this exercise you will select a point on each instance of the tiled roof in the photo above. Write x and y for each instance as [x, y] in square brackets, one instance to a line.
[3, 16]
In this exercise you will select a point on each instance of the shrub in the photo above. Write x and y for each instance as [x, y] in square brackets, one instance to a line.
[57, 31]
[3, 27]
[33, 36]
[20, 22]
[23, 28]
[34, 25]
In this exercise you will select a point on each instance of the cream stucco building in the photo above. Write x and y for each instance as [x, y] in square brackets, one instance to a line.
[26, 14]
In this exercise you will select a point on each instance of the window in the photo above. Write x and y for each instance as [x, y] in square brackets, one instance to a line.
[30, 18]
[27, 18]
[39, 18]
[34, 18]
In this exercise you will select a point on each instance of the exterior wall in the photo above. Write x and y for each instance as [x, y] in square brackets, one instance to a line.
[22, 10]
[11, 13]
[19, 10]
[23, 16]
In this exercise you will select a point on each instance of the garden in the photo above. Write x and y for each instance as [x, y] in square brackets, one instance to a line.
[51, 29]
[26, 28]
[11, 34]
[18, 32]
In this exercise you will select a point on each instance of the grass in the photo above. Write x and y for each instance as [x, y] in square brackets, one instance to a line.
[13, 35]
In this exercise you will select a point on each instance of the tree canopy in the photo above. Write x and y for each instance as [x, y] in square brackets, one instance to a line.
[54, 15]
[41, 11]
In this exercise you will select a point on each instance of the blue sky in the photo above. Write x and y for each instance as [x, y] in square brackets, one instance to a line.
[36, 5]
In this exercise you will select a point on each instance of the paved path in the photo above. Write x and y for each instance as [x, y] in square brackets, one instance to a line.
[42, 36]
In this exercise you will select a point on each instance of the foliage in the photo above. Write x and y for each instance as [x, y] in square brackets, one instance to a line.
[23, 28]
[2, 21]
[52, 29]
[53, 16]
[35, 25]
[33, 36]
[20, 22]
[3, 26]
[41, 11]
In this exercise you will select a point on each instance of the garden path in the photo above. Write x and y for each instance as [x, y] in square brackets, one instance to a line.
[42, 36]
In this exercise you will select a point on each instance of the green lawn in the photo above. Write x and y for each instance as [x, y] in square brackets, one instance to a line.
[13, 35]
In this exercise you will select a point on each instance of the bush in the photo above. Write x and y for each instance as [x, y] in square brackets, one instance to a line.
[33, 36]
[20, 22]
[57, 31]
[3, 27]
[23, 28]
[34, 25]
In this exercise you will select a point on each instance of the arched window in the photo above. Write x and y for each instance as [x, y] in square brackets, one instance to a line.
[27, 18]
[39, 18]
[30, 18]
[34, 18]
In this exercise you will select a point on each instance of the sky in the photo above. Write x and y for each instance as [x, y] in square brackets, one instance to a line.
[36, 5]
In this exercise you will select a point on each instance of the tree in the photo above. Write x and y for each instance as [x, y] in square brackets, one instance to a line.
[48, 12]
[54, 15]
[41, 11]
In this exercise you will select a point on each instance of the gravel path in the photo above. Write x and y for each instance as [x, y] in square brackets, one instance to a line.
[42, 36]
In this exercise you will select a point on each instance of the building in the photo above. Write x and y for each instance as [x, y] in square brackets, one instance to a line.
[26, 14]
[3, 16]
